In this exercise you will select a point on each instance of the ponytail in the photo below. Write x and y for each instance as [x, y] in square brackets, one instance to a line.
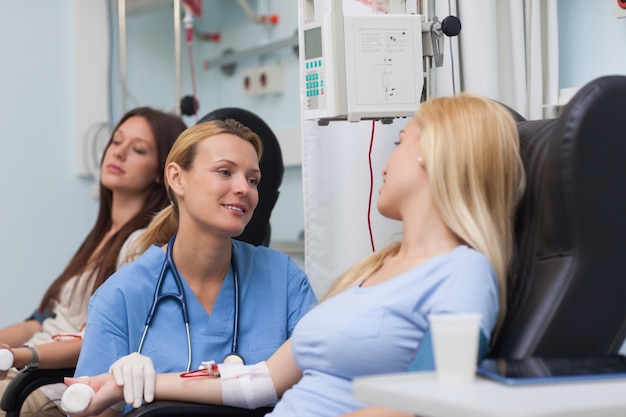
[162, 227]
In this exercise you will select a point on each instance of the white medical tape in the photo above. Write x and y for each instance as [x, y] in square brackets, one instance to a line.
[248, 386]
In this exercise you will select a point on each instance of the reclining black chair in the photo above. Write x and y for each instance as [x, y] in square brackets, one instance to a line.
[257, 232]
[568, 283]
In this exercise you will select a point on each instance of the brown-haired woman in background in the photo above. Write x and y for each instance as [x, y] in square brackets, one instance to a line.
[131, 192]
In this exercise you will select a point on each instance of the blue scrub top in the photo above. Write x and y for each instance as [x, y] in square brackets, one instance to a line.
[274, 294]
[377, 329]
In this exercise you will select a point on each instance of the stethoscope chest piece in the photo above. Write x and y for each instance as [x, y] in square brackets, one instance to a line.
[234, 358]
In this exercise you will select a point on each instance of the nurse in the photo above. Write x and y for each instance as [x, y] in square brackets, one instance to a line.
[231, 289]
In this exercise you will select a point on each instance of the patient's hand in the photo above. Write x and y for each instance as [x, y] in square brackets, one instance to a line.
[107, 393]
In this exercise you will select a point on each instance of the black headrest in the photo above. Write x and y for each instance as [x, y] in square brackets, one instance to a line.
[567, 285]
[258, 230]
[518, 117]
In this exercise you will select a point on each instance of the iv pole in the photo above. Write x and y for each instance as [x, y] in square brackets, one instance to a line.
[121, 28]
[424, 9]
[432, 40]
[123, 65]
[178, 57]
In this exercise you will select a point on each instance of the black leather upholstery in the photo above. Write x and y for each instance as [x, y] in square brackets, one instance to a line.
[174, 408]
[25, 383]
[568, 286]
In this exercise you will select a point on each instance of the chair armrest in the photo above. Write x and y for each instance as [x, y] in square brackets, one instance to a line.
[26, 382]
[175, 408]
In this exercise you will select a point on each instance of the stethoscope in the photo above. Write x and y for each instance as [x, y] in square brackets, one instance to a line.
[233, 356]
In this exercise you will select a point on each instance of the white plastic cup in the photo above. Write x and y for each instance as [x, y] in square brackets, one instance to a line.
[455, 345]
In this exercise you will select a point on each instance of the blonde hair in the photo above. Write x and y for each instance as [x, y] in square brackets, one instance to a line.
[470, 148]
[165, 223]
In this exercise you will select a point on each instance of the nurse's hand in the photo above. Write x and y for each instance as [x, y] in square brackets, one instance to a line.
[135, 372]
[107, 393]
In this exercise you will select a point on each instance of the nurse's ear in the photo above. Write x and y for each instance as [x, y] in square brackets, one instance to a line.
[175, 177]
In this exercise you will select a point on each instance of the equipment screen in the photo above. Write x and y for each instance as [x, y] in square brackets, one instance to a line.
[313, 43]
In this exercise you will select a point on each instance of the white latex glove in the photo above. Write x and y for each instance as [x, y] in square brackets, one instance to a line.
[136, 374]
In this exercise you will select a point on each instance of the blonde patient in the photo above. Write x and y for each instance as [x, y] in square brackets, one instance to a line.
[453, 181]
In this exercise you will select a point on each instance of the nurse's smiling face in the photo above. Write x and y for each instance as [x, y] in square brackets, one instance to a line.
[219, 192]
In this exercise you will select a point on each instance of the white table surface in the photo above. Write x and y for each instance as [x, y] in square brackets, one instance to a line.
[420, 393]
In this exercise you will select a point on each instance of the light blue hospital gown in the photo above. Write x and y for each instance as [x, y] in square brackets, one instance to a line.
[377, 329]
[274, 295]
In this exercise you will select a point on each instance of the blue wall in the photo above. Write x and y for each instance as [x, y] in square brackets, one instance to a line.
[590, 41]
[46, 208]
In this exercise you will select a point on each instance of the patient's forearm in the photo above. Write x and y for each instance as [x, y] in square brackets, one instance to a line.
[62, 354]
[17, 334]
[199, 390]
[281, 367]
[51, 355]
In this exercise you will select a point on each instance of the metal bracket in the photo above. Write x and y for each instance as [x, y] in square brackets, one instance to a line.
[436, 36]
